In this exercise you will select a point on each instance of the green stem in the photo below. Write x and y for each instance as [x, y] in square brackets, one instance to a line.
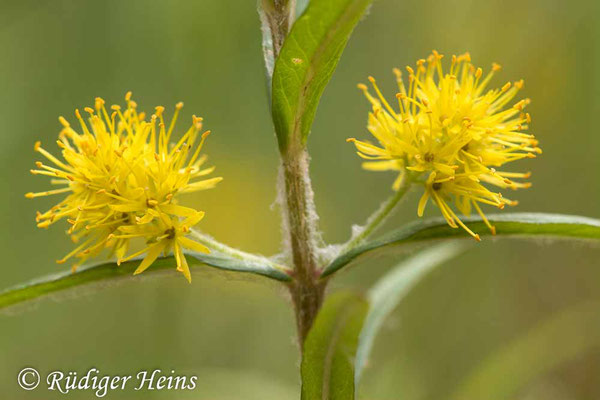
[235, 253]
[378, 217]
[306, 290]
[279, 16]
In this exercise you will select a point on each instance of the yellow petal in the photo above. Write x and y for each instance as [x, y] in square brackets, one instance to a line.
[180, 211]
[127, 207]
[193, 220]
[422, 204]
[193, 245]
[153, 253]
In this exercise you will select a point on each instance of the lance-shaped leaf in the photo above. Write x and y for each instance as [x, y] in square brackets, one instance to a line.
[393, 287]
[563, 337]
[526, 225]
[306, 62]
[101, 273]
[330, 348]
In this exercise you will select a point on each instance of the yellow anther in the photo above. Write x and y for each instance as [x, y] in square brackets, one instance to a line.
[520, 104]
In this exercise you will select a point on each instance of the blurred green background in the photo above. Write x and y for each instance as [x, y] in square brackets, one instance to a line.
[237, 333]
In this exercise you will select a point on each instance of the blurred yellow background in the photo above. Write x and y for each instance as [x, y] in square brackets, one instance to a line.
[236, 333]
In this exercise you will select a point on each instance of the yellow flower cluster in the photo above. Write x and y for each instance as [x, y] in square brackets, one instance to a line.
[122, 176]
[450, 134]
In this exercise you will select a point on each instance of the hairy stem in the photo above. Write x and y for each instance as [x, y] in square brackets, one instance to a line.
[300, 222]
[378, 217]
[279, 16]
[298, 216]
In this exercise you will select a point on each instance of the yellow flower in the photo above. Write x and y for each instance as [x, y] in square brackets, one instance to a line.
[122, 172]
[168, 233]
[450, 134]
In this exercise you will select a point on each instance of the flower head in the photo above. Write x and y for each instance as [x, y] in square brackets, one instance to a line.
[450, 134]
[121, 175]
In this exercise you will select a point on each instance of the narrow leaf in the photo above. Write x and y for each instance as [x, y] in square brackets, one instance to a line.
[563, 337]
[330, 348]
[306, 62]
[393, 287]
[527, 225]
[102, 273]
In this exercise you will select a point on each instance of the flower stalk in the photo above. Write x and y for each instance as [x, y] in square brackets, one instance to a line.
[380, 216]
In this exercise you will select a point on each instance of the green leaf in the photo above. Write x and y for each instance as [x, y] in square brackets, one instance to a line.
[306, 62]
[529, 225]
[330, 348]
[393, 287]
[563, 337]
[102, 273]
